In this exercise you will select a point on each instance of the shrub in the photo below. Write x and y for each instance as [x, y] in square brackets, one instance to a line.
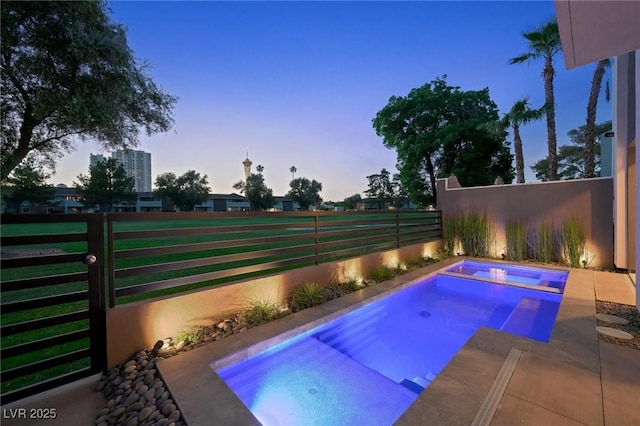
[573, 240]
[401, 268]
[352, 284]
[191, 336]
[306, 296]
[516, 241]
[381, 273]
[440, 255]
[257, 312]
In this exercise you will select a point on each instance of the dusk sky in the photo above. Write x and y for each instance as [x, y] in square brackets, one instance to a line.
[298, 83]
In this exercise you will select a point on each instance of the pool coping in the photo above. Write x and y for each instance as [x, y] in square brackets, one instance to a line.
[204, 398]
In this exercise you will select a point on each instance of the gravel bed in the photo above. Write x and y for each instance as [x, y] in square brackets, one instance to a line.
[628, 312]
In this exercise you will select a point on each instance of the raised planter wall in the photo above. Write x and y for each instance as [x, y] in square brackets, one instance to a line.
[139, 325]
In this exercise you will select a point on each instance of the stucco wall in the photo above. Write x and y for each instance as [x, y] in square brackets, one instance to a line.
[136, 326]
[588, 200]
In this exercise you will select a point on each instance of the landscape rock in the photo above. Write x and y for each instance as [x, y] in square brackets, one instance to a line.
[135, 393]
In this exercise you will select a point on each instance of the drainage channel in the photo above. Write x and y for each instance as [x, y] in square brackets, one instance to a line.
[489, 405]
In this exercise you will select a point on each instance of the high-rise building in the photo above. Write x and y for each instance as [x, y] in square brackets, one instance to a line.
[137, 164]
[95, 159]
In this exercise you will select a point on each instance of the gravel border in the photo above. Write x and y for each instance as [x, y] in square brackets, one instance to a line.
[628, 312]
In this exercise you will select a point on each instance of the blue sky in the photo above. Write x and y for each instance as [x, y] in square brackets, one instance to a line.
[298, 83]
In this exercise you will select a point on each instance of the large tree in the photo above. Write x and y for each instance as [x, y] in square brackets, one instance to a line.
[259, 195]
[571, 161]
[381, 188]
[520, 114]
[544, 43]
[590, 129]
[438, 130]
[305, 192]
[184, 191]
[351, 203]
[106, 185]
[27, 183]
[68, 74]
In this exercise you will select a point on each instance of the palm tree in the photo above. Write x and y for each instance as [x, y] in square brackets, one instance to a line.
[545, 43]
[260, 168]
[520, 114]
[590, 130]
[293, 171]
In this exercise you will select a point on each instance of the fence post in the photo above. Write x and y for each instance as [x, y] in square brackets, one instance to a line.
[111, 263]
[317, 238]
[397, 229]
[94, 260]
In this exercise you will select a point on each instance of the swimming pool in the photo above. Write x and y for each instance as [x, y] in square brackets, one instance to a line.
[372, 363]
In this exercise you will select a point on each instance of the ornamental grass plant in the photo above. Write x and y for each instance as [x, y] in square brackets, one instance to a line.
[516, 241]
[475, 235]
[573, 241]
[306, 296]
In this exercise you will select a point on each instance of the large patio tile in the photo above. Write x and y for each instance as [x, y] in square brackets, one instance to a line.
[579, 292]
[515, 411]
[620, 384]
[497, 342]
[558, 387]
[571, 309]
[423, 413]
[614, 288]
[580, 357]
[473, 367]
[455, 399]
[580, 285]
[578, 338]
[73, 404]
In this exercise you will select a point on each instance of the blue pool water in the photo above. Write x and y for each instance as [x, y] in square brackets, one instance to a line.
[369, 365]
[512, 274]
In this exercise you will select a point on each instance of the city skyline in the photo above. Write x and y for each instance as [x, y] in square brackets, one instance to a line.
[298, 83]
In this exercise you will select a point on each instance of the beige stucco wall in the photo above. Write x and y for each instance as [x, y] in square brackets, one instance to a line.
[136, 326]
[588, 200]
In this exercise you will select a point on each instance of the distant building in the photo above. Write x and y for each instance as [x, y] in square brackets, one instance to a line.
[137, 164]
[95, 159]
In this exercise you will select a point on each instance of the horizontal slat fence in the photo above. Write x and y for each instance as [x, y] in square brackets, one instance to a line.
[52, 307]
[155, 254]
[53, 298]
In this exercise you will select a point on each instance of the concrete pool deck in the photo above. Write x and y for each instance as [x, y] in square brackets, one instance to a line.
[574, 379]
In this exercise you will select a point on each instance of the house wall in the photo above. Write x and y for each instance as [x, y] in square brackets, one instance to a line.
[632, 218]
[624, 129]
[588, 200]
[135, 326]
[634, 179]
